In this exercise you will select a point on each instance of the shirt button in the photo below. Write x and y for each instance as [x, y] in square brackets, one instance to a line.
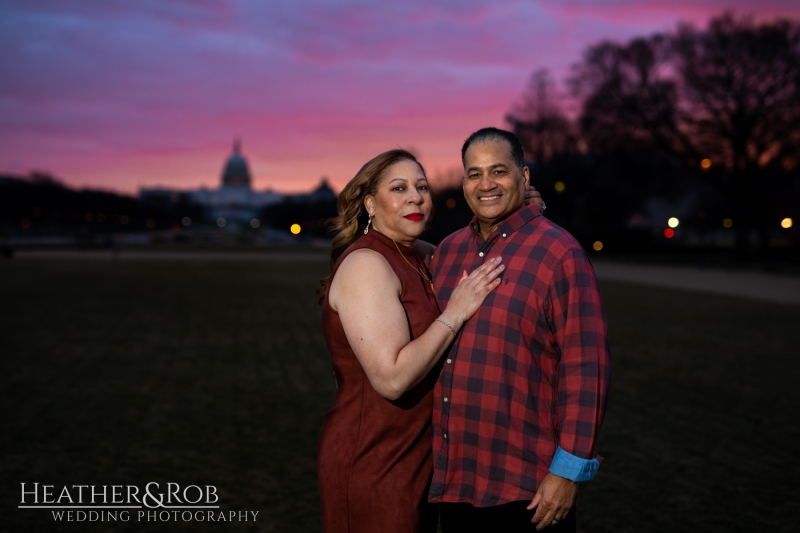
[504, 235]
[480, 254]
[445, 400]
[449, 361]
[444, 435]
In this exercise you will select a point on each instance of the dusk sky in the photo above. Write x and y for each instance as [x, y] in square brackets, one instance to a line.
[140, 93]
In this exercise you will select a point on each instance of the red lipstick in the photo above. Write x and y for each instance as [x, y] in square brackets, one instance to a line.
[415, 217]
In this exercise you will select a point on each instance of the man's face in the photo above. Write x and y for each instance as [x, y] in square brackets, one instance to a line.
[494, 185]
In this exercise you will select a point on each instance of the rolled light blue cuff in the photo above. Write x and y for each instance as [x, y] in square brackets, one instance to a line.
[572, 467]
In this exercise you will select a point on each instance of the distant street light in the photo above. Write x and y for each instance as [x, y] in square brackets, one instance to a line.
[295, 229]
[673, 222]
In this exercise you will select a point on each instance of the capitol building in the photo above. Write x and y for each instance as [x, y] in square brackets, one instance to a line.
[234, 202]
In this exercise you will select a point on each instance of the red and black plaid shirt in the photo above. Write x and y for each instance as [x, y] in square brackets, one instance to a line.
[528, 373]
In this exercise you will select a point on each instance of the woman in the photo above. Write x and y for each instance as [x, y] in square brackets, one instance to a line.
[385, 334]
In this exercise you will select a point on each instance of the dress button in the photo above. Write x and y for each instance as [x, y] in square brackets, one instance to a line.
[444, 435]
[480, 254]
[504, 235]
[445, 400]
[449, 361]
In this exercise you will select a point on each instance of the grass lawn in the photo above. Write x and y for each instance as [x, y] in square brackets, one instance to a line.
[216, 373]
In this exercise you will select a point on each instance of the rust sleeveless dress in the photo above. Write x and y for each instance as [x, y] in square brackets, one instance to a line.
[374, 460]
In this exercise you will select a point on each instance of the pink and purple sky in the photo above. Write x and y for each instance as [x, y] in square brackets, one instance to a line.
[140, 93]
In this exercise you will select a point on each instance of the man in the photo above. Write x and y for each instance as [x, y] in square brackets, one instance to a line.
[521, 398]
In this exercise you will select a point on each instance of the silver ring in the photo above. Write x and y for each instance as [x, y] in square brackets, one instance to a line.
[556, 520]
[544, 206]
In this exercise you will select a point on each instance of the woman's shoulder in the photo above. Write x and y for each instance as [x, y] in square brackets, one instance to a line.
[366, 265]
[363, 270]
[363, 257]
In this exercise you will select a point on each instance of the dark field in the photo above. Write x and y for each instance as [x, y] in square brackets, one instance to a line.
[216, 373]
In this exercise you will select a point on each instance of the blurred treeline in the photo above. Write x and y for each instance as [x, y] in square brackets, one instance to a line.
[713, 113]
[41, 205]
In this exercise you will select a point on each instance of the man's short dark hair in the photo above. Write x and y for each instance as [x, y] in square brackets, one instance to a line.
[495, 135]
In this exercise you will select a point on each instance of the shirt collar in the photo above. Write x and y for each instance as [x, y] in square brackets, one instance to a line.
[514, 222]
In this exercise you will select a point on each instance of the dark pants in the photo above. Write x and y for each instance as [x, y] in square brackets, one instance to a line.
[511, 518]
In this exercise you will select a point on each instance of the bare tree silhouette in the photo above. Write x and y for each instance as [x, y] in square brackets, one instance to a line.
[726, 97]
[540, 122]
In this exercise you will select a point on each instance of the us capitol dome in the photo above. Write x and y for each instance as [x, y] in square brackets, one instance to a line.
[236, 173]
[235, 202]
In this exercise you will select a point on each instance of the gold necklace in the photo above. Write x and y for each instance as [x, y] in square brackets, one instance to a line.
[426, 278]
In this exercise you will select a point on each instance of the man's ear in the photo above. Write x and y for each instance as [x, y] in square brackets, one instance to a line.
[526, 173]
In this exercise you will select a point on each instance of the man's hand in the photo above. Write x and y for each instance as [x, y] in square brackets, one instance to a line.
[554, 499]
[532, 196]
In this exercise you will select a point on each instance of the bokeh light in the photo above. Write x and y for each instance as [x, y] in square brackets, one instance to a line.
[705, 164]
[186, 221]
[124, 219]
[673, 222]
[669, 233]
[150, 223]
[450, 203]
[786, 223]
[295, 229]
[727, 223]
[25, 223]
[255, 223]
[559, 186]
[221, 222]
[597, 246]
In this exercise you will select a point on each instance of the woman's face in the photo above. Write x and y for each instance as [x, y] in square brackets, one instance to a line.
[401, 207]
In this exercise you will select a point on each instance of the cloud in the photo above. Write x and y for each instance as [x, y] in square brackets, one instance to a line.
[101, 92]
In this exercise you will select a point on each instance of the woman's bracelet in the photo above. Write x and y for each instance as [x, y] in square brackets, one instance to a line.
[448, 325]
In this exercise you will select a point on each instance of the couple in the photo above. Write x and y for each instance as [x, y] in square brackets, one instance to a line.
[506, 345]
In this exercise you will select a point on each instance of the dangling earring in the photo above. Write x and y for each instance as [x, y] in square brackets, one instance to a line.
[369, 221]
